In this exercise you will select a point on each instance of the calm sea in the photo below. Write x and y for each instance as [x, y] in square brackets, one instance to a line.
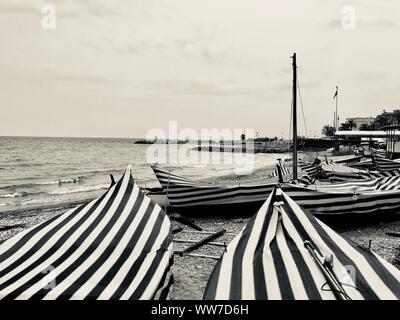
[39, 171]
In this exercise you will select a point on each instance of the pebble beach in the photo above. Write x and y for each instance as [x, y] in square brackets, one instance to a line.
[191, 273]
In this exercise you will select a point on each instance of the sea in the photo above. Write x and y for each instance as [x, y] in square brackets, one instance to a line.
[40, 171]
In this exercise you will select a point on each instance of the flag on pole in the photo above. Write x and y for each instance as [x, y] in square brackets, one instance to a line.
[336, 93]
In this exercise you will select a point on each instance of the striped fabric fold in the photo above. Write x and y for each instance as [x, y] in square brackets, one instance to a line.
[118, 246]
[268, 260]
[185, 193]
[361, 199]
[287, 175]
[387, 165]
[340, 173]
[384, 184]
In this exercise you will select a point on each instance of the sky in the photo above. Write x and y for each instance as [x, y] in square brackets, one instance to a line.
[122, 68]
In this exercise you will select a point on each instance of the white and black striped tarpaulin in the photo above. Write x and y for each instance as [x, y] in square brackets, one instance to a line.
[287, 175]
[386, 164]
[187, 193]
[118, 246]
[270, 259]
[341, 202]
[384, 184]
[341, 173]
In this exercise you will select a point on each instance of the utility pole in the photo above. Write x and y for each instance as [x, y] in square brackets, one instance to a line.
[294, 64]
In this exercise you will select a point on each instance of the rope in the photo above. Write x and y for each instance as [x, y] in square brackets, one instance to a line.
[291, 119]
[166, 202]
[301, 103]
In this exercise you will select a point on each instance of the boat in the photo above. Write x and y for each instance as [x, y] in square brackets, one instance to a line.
[285, 253]
[185, 195]
[367, 164]
[337, 172]
[117, 247]
[383, 164]
[348, 159]
[383, 184]
[192, 197]
[336, 200]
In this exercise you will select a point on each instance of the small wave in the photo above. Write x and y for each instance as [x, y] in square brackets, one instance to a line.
[69, 180]
[14, 195]
[15, 160]
[44, 183]
[28, 165]
[41, 183]
[106, 171]
[3, 204]
[81, 189]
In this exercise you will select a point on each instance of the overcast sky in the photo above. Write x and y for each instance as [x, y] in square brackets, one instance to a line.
[121, 68]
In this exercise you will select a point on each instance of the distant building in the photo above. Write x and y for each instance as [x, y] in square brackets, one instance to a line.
[388, 118]
[368, 123]
[358, 122]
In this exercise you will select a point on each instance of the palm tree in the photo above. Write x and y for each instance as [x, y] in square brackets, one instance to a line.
[328, 131]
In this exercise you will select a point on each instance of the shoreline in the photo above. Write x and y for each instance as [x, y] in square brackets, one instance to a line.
[257, 173]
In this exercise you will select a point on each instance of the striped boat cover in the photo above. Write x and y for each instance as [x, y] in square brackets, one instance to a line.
[349, 159]
[268, 260]
[284, 171]
[118, 246]
[340, 202]
[364, 164]
[387, 165]
[302, 175]
[385, 183]
[379, 153]
[351, 186]
[186, 193]
[343, 176]
[310, 168]
[337, 167]
[340, 173]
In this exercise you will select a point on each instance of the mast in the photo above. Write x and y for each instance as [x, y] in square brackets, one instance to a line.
[294, 64]
[337, 115]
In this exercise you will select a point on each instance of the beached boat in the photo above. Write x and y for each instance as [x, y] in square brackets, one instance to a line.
[383, 184]
[337, 172]
[194, 197]
[200, 197]
[284, 253]
[367, 164]
[379, 195]
[118, 246]
[334, 200]
[349, 159]
[386, 164]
